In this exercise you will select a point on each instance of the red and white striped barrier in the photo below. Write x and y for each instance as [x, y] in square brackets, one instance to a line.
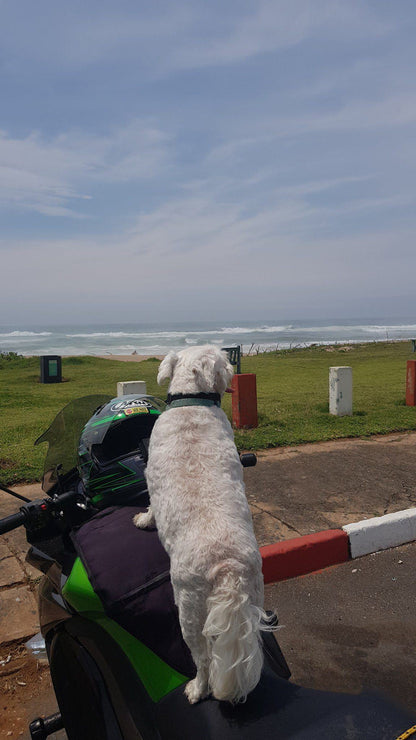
[312, 552]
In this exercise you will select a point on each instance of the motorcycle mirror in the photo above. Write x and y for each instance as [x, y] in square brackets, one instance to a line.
[13, 493]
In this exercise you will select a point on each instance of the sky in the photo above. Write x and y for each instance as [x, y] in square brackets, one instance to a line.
[208, 161]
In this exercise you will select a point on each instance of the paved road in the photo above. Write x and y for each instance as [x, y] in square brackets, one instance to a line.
[308, 488]
[353, 626]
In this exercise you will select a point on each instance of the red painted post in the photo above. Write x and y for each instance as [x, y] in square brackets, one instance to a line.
[411, 383]
[244, 401]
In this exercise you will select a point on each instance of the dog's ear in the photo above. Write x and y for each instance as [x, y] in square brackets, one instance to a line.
[167, 367]
[214, 372]
[223, 373]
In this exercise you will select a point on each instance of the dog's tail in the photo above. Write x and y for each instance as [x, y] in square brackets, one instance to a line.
[232, 630]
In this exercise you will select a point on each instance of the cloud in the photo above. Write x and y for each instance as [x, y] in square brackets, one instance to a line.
[204, 252]
[48, 175]
[87, 34]
[391, 111]
[164, 38]
[272, 25]
[209, 257]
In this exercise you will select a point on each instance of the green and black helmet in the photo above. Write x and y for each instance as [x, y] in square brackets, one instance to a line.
[113, 446]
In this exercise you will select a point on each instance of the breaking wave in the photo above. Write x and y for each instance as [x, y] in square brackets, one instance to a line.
[27, 334]
[159, 339]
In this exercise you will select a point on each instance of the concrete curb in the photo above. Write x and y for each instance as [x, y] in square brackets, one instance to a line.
[381, 532]
[312, 552]
[302, 555]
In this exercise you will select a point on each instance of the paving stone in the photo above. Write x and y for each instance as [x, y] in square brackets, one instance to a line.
[32, 573]
[4, 549]
[11, 572]
[16, 541]
[18, 614]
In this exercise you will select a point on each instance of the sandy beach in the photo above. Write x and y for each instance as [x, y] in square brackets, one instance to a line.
[130, 358]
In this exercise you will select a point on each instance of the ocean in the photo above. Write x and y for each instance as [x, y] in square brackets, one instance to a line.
[158, 339]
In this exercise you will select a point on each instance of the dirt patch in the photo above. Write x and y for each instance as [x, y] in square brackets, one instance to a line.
[24, 684]
[6, 464]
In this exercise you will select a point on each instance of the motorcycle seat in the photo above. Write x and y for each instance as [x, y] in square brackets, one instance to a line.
[280, 709]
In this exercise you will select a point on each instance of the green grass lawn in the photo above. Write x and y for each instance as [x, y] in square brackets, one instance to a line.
[292, 390]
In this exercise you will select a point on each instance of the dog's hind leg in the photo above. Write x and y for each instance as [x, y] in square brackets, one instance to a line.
[145, 520]
[192, 621]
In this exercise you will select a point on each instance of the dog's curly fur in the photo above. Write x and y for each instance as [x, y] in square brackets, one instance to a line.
[198, 503]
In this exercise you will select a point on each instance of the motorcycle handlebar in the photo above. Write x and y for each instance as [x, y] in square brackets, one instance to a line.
[248, 459]
[36, 514]
[12, 522]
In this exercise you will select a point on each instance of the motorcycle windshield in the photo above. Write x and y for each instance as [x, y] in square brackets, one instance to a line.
[63, 438]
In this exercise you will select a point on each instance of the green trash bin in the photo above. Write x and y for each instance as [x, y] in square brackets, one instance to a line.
[51, 369]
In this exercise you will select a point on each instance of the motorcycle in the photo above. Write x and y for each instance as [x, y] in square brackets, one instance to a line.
[116, 655]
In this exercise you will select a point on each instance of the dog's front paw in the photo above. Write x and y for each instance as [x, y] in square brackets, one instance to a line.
[194, 691]
[145, 520]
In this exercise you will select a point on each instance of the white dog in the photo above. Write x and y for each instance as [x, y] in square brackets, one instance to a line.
[198, 504]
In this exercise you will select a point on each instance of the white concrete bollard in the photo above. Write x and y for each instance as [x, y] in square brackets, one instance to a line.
[340, 391]
[126, 387]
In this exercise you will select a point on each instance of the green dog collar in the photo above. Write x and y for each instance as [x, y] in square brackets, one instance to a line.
[192, 402]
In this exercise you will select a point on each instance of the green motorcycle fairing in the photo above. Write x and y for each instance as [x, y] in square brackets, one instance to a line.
[157, 676]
